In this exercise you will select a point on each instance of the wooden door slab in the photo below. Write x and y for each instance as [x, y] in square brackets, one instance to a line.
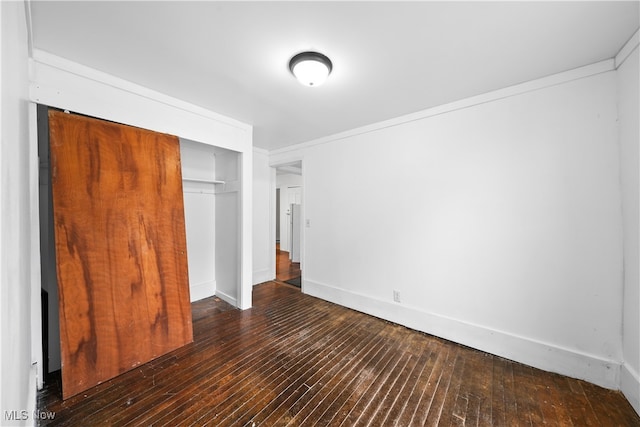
[120, 247]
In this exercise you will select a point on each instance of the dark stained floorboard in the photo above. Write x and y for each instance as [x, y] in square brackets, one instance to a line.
[296, 360]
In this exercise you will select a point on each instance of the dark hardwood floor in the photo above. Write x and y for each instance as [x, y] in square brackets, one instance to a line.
[285, 269]
[296, 360]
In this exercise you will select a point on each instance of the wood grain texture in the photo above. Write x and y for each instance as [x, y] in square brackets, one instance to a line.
[295, 360]
[120, 247]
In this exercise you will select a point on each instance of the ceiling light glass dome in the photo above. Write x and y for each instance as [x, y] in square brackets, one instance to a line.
[310, 68]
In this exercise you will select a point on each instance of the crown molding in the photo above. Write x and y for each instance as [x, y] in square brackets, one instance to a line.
[518, 89]
[627, 49]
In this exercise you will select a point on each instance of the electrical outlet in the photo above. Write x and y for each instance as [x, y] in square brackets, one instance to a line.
[396, 295]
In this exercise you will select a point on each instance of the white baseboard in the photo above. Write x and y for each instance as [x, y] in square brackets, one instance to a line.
[264, 275]
[228, 298]
[605, 373]
[630, 386]
[202, 290]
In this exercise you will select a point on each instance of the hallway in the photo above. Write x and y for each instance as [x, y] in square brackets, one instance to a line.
[285, 269]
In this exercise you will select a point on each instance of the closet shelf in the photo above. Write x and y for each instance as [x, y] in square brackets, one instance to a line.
[205, 181]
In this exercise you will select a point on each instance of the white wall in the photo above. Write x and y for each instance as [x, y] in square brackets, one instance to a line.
[227, 245]
[18, 378]
[263, 246]
[227, 226]
[496, 218]
[628, 114]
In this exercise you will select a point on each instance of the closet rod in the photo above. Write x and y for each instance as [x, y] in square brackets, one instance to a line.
[205, 181]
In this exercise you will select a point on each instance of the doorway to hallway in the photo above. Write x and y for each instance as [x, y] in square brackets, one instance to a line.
[288, 222]
[286, 270]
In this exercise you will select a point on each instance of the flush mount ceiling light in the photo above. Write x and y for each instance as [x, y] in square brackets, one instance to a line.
[310, 68]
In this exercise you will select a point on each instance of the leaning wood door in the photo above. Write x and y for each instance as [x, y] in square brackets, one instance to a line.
[120, 247]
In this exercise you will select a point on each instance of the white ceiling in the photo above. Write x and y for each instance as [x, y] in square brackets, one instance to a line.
[390, 58]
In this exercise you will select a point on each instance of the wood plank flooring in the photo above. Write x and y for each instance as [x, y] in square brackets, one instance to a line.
[296, 360]
[285, 269]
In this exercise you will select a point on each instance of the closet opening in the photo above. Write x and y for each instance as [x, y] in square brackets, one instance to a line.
[211, 187]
